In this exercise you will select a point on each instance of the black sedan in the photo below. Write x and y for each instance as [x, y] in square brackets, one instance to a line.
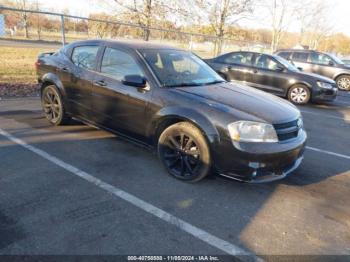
[172, 101]
[273, 74]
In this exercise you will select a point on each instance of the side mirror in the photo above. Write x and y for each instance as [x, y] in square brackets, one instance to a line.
[331, 63]
[135, 81]
[300, 69]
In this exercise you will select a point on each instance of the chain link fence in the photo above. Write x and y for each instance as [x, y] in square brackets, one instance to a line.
[61, 28]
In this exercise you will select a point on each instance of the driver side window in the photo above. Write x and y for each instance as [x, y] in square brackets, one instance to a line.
[118, 64]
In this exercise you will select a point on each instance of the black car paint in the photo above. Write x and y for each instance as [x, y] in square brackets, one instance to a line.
[277, 82]
[141, 114]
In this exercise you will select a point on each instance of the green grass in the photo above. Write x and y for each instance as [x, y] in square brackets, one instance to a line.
[17, 64]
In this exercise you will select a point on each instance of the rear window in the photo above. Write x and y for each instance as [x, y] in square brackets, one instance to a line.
[300, 56]
[239, 59]
[85, 56]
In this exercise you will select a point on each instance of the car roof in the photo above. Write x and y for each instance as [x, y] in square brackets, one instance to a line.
[295, 50]
[251, 52]
[129, 44]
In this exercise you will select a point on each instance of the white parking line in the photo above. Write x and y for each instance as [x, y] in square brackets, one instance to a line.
[328, 152]
[210, 239]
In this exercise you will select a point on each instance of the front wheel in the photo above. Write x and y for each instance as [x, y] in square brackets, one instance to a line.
[299, 94]
[53, 106]
[184, 152]
[343, 83]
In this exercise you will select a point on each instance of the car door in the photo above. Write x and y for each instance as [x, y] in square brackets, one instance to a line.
[239, 66]
[323, 64]
[114, 104]
[269, 75]
[77, 77]
[301, 60]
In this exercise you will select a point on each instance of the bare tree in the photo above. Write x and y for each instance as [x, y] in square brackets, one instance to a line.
[23, 4]
[102, 29]
[314, 22]
[38, 20]
[147, 12]
[281, 14]
[222, 13]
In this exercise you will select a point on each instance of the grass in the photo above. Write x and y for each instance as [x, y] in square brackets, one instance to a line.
[17, 64]
[17, 70]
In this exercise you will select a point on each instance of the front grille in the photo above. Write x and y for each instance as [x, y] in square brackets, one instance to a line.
[287, 131]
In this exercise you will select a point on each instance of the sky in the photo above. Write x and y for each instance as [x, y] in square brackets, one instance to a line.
[339, 14]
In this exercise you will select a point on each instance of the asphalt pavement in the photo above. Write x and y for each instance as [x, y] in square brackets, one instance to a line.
[79, 190]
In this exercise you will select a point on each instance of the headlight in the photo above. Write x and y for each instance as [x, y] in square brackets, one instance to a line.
[324, 85]
[247, 131]
[300, 123]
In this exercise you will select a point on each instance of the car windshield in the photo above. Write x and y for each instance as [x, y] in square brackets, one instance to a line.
[176, 68]
[286, 64]
[336, 59]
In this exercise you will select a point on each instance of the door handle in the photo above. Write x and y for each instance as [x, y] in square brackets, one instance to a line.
[255, 71]
[100, 83]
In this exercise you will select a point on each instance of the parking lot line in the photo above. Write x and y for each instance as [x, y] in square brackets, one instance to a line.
[328, 152]
[200, 234]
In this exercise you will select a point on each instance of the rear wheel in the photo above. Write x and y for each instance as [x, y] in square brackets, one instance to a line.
[184, 152]
[299, 94]
[53, 106]
[343, 82]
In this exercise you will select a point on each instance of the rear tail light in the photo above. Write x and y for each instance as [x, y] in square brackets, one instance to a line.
[37, 64]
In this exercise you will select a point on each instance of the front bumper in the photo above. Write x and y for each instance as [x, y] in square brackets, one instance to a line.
[259, 163]
[325, 94]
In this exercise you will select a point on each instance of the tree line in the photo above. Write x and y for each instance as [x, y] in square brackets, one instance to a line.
[219, 18]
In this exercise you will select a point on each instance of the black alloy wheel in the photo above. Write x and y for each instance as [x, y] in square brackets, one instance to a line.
[184, 152]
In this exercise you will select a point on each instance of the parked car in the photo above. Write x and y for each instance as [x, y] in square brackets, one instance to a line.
[172, 101]
[275, 75]
[324, 64]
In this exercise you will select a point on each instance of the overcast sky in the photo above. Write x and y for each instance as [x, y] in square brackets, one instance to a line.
[340, 15]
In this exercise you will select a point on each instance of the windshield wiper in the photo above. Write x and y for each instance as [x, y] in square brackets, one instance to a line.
[215, 82]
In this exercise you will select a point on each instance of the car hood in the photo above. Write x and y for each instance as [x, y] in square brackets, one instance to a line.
[317, 77]
[248, 100]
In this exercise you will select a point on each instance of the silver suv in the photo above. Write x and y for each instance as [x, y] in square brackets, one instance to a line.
[320, 63]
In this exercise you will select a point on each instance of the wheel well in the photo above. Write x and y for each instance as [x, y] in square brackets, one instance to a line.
[338, 76]
[45, 84]
[169, 121]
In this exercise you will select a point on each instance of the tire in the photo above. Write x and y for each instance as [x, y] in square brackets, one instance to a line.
[343, 82]
[184, 152]
[53, 108]
[299, 95]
